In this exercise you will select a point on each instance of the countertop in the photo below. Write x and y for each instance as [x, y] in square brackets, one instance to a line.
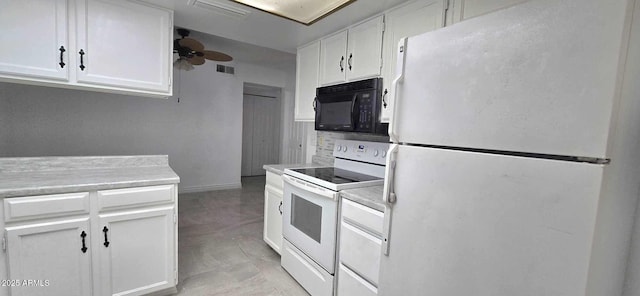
[367, 196]
[279, 168]
[26, 176]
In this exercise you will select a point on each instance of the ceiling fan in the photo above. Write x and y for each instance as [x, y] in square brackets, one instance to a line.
[191, 52]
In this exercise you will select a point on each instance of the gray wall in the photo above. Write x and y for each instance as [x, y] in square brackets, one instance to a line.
[4, 123]
[202, 133]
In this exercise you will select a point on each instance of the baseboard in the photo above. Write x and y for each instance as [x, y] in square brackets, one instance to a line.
[192, 189]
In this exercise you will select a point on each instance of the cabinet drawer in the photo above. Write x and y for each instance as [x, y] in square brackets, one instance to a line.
[128, 197]
[43, 206]
[349, 283]
[365, 217]
[274, 180]
[360, 251]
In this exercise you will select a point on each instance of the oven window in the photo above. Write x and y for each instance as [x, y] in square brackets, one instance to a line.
[306, 217]
[336, 113]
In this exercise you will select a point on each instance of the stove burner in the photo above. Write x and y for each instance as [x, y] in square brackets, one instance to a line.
[335, 175]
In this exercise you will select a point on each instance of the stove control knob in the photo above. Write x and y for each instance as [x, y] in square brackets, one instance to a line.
[339, 147]
[384, 153]
[344, 148]
[375, 152]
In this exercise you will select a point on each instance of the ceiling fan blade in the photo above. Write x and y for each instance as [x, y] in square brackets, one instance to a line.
[195, 45]
[196, 60]
[217, 56]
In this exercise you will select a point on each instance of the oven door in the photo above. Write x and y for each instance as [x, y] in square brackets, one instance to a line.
[310, 220]
[336, 112]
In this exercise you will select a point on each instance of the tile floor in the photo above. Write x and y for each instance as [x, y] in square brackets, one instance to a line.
[220, 246]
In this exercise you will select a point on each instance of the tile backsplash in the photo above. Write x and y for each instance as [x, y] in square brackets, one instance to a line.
[326, 141]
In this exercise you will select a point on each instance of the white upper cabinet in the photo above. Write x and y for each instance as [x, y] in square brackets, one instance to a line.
[364, 57]
[352, 54]
[99, 45]
[333, 60]
[34, 39]
[411, 19]
[466, 9]
[307, 69]
[125, 44]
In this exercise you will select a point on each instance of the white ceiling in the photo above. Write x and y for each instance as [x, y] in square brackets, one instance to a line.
[266, 30]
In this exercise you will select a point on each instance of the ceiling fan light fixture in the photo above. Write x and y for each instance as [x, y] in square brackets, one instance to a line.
[182, 64]
[305, 12]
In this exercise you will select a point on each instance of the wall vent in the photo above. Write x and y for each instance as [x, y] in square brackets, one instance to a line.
[225, 69]
[221, 8]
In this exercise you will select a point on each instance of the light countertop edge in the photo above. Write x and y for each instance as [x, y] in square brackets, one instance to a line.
[68, 179]
[367, 196]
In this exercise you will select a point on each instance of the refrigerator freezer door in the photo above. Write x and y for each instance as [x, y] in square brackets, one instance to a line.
[539, 77]
[485, 224]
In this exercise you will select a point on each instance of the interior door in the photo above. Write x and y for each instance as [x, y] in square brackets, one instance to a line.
[485, 83]
[260, 133]
[485, 224]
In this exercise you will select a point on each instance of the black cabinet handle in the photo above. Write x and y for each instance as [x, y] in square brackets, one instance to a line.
[81, 52]
[280, 208]
[341, 62]
[84, 246]
[384, 98]
[106, 240]
[62, 50]
[315, 103]
[350, 58]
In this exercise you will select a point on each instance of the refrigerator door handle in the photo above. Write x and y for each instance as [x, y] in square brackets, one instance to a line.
[389, 196]
[389, 178]
[400, 61]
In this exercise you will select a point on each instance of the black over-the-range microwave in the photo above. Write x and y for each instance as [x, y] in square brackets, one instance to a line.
[350, 107]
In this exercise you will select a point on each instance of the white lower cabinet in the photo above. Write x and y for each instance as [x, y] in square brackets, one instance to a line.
[65, 245]
[136, 251]
[360, 249]
[55, 255]
[273, 211]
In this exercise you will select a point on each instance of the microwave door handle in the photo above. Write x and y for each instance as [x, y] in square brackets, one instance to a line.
[353, 108]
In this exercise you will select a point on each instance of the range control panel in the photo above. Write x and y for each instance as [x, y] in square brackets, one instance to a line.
[372, 152]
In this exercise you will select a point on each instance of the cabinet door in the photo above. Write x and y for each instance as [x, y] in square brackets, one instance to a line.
[408, 20]
[364, 55]
[32, 35]
[125, 44]
[333, 60]
[466, 9]
[52, 255]
[273, 217]
[136, 251]
[307, 69]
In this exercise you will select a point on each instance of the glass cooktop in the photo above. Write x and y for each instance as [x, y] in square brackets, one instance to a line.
[335, 175]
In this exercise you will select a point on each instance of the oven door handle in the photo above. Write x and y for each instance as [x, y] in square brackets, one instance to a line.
[306, 186]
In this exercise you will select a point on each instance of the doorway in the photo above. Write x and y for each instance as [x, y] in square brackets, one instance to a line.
[261, 118]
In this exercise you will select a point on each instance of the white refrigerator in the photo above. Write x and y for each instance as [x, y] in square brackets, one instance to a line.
[515, 163]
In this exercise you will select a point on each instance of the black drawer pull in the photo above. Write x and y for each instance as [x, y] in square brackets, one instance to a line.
[84, 246]
[62, 50]
[280, 208]
[81, 52]
[341, 61]
[106, 240]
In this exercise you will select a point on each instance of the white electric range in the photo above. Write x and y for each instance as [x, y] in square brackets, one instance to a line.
[311, 201]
